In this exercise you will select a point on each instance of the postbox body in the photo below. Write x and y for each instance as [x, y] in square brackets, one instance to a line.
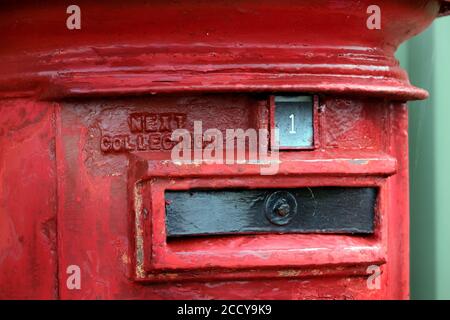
[88, 179]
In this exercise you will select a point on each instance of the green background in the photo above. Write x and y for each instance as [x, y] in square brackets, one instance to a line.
[427, 59]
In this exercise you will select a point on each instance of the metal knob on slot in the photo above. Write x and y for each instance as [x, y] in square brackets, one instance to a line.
[280, 207]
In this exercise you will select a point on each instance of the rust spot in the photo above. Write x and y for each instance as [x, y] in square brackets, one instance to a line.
[170, 275]
[140, 273]
[125, 258]
[289, 273]
[316, 272]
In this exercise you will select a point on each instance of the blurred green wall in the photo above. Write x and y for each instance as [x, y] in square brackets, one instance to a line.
[427, 60]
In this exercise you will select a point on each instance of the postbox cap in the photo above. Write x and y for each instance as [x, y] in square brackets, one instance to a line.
[327, 47]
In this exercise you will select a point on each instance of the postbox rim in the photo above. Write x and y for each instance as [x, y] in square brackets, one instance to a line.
[325, 48]
[313, 70]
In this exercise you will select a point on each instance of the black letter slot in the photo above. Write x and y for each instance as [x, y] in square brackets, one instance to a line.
[303, 210]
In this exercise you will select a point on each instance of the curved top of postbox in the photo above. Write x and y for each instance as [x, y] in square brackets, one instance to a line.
[323, 46]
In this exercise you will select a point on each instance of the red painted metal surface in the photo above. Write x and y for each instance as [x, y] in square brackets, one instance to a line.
[81, 182]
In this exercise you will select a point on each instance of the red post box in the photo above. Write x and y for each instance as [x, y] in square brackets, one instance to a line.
[205, 150]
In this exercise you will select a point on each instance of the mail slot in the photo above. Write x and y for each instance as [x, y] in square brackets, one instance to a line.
[314, 210]
[206, 150]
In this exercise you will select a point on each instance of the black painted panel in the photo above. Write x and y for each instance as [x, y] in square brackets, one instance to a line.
[303, 210]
